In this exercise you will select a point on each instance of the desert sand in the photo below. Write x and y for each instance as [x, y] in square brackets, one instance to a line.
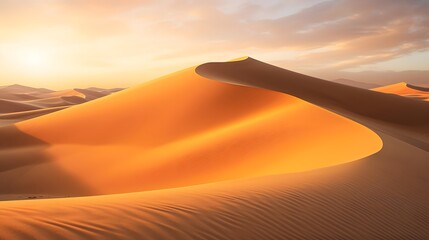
[406, 90]
[18, 103]
[232, 150]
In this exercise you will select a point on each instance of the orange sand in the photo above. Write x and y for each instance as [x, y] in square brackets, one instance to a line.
[184, 130]
[406, 90]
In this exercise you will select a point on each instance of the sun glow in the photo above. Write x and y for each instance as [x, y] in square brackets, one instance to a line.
[26, 58]
[34, 59]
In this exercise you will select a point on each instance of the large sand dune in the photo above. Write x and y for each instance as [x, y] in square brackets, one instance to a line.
[277, 167]
[182, 130]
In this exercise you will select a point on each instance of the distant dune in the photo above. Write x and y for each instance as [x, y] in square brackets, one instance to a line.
[406, 90]
[356, 83]
[232, 150]
[19, 89]
[383, 78]
[57, 101]
[8, 106]
[19, 102]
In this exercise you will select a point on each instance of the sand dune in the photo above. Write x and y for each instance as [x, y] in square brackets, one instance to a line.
[9, 118]
[187, 129]
[56, 101]
[91, 95]
[404, 118]
[63, 93]
[8, 106]
[171, 137]
[104, 90]
[406, 90]
[356, 83]
[20, 93]
[19, 102]
[17, 96]
[88, 94]
[20, 89]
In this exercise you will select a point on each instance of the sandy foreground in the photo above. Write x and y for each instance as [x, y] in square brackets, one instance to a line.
[233, 150]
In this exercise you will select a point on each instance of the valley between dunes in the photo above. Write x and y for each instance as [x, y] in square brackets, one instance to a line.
[232, 150]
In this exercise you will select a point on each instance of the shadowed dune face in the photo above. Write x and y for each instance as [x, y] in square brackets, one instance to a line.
[406, 90]
[338, 97]
[20, 154]
[7, 106]
[403, 118]
[184, 129]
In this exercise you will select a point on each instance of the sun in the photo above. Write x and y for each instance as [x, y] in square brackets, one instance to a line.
[35, 59]
[32, 59]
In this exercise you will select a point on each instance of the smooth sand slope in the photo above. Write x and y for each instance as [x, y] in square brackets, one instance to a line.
[177, 131]
[381, 196]
[406, 90]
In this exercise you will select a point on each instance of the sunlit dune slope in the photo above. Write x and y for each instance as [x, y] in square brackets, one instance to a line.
[87, 94]
[383, 196]
[406, 90]
[91, 95]
[63, 93]
[181, 130]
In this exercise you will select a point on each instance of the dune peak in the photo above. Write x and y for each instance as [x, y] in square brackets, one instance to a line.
[244, 58]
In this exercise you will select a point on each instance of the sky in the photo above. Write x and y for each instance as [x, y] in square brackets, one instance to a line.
[119, 43]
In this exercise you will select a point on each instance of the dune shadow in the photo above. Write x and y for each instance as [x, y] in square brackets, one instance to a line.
[419, 88]
[27, 168]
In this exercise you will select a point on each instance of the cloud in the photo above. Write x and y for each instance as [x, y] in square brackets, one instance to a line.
[338, 34]
[299, 34]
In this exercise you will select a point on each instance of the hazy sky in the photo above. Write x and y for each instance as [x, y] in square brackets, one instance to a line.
[115, 43]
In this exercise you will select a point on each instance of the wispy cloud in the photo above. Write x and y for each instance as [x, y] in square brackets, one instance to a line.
[142, 34]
